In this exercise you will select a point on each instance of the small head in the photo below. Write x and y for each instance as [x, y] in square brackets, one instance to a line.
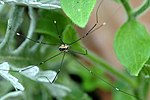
[64, 47]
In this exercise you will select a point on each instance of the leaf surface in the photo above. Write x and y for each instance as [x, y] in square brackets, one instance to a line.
[132, 46]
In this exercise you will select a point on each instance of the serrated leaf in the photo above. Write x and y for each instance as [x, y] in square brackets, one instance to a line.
[4, 72]
[132, 46]
[78, 10]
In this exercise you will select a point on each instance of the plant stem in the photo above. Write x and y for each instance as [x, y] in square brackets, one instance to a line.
[111, 69]
[127, 7]
[142, 8]
[13, 23]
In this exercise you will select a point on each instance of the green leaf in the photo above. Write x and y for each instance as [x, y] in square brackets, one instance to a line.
[78, 10]
[48, 28]
[46, 22]
[132, 46]
[69, 35]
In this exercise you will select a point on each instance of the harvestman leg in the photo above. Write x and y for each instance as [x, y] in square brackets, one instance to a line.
[60, 38]
[95, 75]
[35, 41]
[59, 67]
[73, 43]
[93, 27]
[37, 64]
[49, 58]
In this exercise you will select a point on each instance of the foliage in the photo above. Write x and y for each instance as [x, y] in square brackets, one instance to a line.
[129, 46]
[46, 23]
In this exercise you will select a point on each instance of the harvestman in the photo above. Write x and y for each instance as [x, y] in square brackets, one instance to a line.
[65, 48]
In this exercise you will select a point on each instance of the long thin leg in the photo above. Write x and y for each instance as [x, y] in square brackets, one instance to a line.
[50, 58]
[114, 13]
[60, 38]
[55, 23]
[33, 66]
[59, 67]
[95, 75]
[90, 31]
[36, 41]
[40, 64]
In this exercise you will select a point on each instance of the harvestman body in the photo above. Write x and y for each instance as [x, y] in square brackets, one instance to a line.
[64, 48]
